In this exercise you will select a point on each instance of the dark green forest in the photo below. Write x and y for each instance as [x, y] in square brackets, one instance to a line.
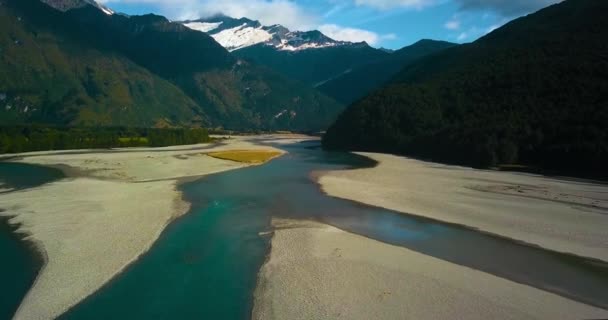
[85, 68]
[313, 67]
[361, 81]
[37, 138]
[533, 93]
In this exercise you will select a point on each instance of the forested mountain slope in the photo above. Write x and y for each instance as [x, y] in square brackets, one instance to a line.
[532, 92]
[191, 79]
[49, 78]
[359, 82]
[313, 66]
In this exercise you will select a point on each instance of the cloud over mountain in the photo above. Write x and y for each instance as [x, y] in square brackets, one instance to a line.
[269, 12]
[337, 32]
[390, 23]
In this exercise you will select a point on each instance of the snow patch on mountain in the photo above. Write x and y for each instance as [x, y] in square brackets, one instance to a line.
[106, 10]
[241, 37]
[234, 34]
[287, 47]
[203, 26]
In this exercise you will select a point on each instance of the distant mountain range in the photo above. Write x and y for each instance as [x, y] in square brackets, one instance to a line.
[343, 70]
[308, 56]
[74, 62]
[234, 34]
[533, 92]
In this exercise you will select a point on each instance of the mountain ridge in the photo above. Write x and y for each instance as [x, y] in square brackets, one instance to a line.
[307, 56]
[357, 83]
[235, 34]
[342, 70]
[226, 90]
[66, 5]
[48, 78]
[533, 92]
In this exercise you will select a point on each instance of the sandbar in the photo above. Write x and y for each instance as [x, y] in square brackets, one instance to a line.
[316, 271]
[109, 210]
[559, 214]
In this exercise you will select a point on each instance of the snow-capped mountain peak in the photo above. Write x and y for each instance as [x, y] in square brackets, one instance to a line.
[241, 37]
[234, 34]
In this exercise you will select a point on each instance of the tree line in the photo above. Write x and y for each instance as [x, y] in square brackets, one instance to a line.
[17, 139]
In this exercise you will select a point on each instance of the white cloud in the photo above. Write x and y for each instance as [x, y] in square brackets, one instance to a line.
[337, 32]
[390, 4]
[452, 25]
[348, 34]
[269, 12]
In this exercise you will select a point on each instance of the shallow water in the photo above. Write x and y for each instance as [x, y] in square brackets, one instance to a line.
[19, 263]
[205, 264]
[18, 176]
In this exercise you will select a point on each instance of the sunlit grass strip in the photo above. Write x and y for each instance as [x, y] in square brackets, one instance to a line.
[133, 139]
[246, 156]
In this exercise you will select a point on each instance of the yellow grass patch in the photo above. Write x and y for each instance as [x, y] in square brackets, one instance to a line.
[136, 139]
[247, 156]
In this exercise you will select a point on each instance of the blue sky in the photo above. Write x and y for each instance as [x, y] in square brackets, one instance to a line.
[382, 23]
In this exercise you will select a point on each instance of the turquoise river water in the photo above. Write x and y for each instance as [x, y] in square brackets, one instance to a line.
[205, 264]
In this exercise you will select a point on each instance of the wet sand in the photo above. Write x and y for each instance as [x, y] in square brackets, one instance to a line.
[104, 215]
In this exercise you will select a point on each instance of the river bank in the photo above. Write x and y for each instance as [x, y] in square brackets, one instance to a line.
[557, 214]
[104, 215]
[316, 271]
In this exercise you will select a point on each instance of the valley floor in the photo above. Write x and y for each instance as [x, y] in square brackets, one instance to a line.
[108, 211]
[113, 206]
